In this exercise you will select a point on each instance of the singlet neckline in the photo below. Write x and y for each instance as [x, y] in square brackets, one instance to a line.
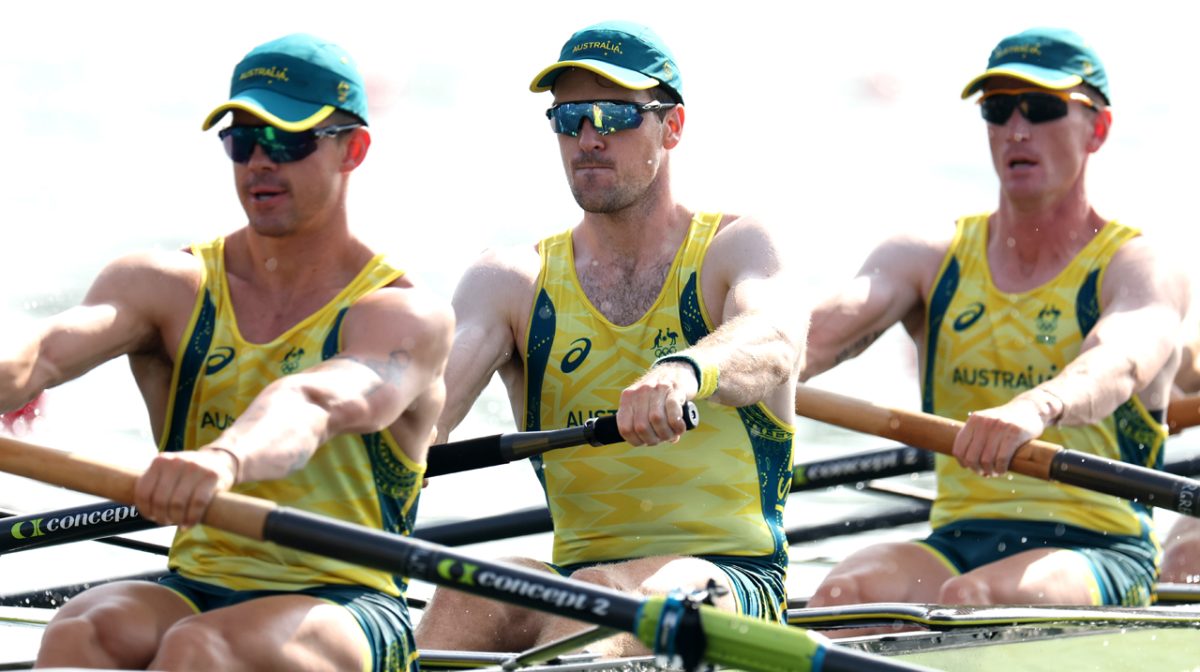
[235, 327]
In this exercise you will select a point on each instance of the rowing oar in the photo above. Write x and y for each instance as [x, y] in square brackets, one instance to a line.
[490, 451]
[679, 629]
[104, 519]
[1183, 413]
[1039, 459]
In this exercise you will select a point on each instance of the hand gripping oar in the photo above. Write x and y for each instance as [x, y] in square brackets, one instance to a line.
[1038, 459]
[489, 451]
[104, 519]
[673, 626]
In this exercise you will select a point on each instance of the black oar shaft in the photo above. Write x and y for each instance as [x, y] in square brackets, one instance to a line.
[1139, 484]
[490, 451]
[422, 560]
[862, 466]
[77, 523]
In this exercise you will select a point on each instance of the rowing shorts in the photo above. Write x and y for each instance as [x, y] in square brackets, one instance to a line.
[384, 619]
[758, 583]
[1125, 568]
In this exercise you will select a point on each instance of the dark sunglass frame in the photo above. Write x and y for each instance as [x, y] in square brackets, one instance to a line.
[281, 146]
[607, 116]
[1038, 106]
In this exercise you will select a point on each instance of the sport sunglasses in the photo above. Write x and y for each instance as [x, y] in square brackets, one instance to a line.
[1036, 105]
[607, 116]
[280, 146]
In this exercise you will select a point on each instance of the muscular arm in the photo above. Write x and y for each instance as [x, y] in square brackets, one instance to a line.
[886, 289]
[122, 313]
[1132, 349]
[489, 303]
[395, 345]
[754, 349]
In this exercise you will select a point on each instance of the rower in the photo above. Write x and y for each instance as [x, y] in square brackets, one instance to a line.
[643, 305]
[1181, 546]
[253, 351]
[1038, 319]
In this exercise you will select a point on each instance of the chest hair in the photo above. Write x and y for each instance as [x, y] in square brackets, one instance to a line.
[621, 291]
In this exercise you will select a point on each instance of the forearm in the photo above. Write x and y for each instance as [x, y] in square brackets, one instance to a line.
[271, 444]
[1086, 391]
[751, 355]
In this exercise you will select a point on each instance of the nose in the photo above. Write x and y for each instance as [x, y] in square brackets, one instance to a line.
[588, 137]
[1018, 128]
[259, 160]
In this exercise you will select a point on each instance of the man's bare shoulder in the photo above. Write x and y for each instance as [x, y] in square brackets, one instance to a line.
[506, 275]
[149, 274]
[406, 306]
[1154, 268]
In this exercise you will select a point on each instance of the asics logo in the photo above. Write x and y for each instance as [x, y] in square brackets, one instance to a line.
[219, 359]
[968, 317]
[576, 355]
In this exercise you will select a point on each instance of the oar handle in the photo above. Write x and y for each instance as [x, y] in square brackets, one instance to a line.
[1183, 413]
[1039, 459]
[489, 451]
[228, 511]
[922, 430]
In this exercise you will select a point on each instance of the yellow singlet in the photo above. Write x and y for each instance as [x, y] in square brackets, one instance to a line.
[718, 491]
[986, 346]
[365, 479]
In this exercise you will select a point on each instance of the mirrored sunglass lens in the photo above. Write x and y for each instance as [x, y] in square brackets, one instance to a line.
[1039, 107]
[997, 109]
[280, 146]
[605, 117]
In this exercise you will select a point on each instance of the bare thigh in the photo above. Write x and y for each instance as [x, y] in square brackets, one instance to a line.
[293, 632]
[1037, 576]
[114, 625]
[896, 572]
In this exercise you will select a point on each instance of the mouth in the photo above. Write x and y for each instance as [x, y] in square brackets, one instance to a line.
[1020, 163]
[262, 193]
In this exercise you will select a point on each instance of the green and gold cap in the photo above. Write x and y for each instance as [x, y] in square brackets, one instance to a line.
[1052, 58]
[295, 83]
[626, 53]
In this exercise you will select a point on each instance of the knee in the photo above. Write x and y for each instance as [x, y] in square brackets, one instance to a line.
[965, 589]
[599, 576]
[836, 590]
[91, 638]
[193, 643]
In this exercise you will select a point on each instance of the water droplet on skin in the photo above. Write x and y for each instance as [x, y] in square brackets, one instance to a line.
[272, 264]
[1012, 242]
[835, 592]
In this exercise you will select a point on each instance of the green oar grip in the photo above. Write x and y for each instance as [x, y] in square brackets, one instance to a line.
[738, 642]
[743, 643]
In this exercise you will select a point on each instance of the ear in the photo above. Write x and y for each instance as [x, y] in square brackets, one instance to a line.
[673, 123]
[1100, 130]
[356, 149]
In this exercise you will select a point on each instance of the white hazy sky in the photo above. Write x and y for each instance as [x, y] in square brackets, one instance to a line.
[839, 122]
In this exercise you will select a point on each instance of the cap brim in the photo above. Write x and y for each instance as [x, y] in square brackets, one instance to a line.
[1043, 77]
[282, 112]
[630, 79]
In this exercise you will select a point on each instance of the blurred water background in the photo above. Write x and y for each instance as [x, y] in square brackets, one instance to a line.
[838, 122]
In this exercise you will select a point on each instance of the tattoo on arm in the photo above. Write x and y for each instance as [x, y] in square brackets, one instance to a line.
[856, 348]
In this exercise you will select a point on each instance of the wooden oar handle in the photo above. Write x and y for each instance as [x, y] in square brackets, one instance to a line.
[927, 431]
[228, 511]
[1183, 413]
